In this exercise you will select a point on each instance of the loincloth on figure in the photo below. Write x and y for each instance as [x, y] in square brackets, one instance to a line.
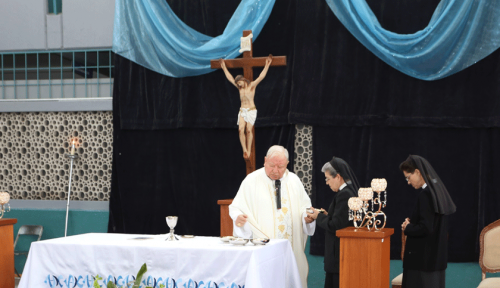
[248, 114]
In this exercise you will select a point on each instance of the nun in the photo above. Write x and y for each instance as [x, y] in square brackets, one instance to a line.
[426, 252]
[341, 179]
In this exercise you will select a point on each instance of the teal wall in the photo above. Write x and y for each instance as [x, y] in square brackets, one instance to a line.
[53, 222]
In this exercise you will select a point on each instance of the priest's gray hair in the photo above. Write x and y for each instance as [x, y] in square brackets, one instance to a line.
[277, 149]
[329, 168]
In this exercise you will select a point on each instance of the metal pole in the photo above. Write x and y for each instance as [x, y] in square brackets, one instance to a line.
[72, 158]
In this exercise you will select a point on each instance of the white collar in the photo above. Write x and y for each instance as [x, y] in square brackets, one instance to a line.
[425, 185]
[342, 186]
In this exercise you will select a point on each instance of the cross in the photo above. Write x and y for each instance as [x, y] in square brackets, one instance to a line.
[247, 63]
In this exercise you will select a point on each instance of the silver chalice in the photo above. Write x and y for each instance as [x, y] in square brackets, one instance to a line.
[171, 222]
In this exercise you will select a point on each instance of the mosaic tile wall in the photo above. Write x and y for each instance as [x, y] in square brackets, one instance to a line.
[33, 145]
[303, 155]
[32, 149]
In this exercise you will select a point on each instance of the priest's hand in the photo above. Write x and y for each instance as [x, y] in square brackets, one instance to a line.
[313, 215]
[308, 219]
[241, 220]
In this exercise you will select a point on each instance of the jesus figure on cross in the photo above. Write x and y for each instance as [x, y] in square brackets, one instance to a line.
[248, 111]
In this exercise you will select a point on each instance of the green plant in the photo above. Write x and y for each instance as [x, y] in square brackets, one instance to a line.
[137, 282]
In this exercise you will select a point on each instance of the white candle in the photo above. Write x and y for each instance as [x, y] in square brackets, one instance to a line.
[73, 148]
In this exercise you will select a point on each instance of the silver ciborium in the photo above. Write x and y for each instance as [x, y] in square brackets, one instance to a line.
[171, 222]
[4, 200]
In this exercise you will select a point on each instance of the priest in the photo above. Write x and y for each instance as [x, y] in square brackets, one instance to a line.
[272, 203]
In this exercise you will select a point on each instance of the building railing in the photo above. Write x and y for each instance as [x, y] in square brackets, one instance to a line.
[56, 74]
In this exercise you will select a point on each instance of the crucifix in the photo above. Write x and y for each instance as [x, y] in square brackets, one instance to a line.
[248, 113]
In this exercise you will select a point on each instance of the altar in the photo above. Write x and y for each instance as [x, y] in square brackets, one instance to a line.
[190, 262]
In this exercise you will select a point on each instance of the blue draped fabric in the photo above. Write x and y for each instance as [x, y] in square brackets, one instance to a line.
[460, 33]
[149, 33]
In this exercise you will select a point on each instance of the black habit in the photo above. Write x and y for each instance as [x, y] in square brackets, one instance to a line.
[426, 243]
[426, 251]
[337, 218]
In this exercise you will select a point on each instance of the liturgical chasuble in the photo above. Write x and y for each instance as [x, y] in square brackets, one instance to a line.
[257, 199]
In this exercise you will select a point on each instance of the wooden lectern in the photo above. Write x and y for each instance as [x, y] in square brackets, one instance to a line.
[226, 223]
[7, 279]
[364, 257]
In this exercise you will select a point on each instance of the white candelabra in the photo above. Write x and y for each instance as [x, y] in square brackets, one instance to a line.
[4, 206]
[359, 206]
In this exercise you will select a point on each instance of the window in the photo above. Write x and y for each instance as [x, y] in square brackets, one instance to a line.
[55, 6]
[56, 74]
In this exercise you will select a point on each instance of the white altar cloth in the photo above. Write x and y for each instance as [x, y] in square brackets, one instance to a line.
[203, 262]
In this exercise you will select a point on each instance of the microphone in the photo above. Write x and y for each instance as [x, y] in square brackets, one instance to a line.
[277, 184]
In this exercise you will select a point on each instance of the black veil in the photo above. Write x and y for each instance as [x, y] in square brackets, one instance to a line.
[443, 204]
[345, 171]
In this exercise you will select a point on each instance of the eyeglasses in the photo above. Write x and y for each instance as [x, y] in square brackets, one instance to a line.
[328, 179]
[408, 177]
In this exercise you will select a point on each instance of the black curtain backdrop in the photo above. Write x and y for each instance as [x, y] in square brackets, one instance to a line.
[179, 172]
[154, 101]
[338, 82]
[465, 159]
[176, 149]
